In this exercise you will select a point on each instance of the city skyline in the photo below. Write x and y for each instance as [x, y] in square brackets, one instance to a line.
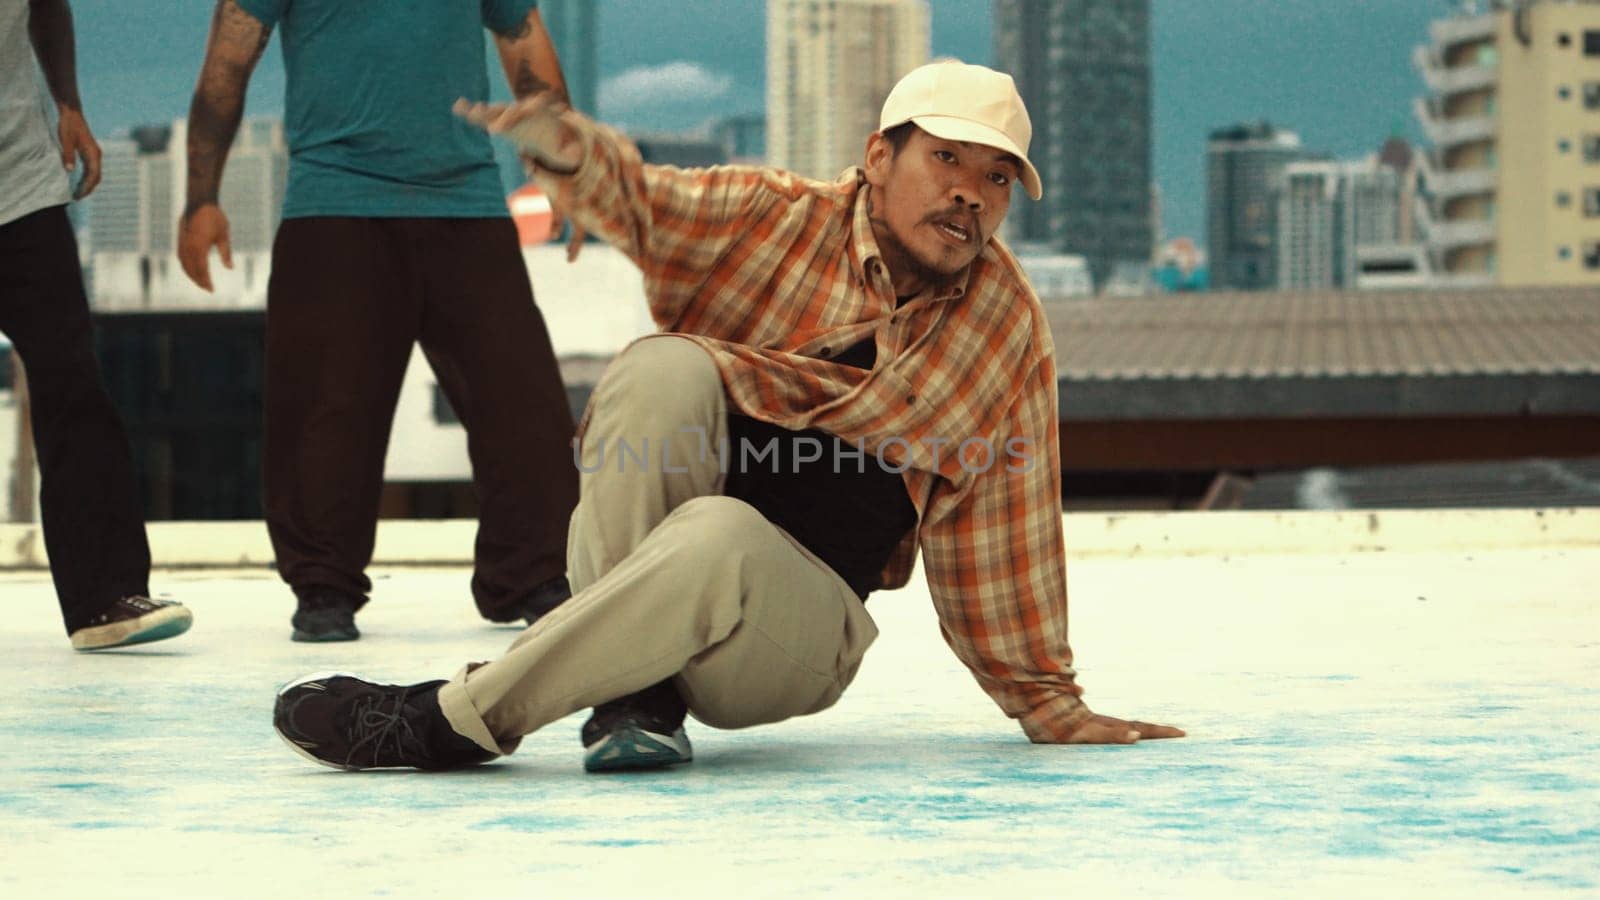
[1213, 63]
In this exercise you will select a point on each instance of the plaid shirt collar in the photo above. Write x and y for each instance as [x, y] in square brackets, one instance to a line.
[866, 260]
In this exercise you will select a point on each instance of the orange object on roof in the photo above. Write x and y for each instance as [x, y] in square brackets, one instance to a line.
[535, 218]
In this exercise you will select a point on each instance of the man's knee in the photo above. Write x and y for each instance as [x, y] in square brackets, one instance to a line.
[657, 394]
[660, 370]
[716, 527]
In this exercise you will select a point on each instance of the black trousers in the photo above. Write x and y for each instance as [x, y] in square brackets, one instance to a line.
[93, 527]
[347, 300]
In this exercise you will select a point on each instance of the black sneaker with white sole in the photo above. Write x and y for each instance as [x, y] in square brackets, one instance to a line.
[339, 720]
[133, 620]
[640, 731]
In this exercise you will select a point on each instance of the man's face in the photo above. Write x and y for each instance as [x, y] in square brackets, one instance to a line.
[936, 203]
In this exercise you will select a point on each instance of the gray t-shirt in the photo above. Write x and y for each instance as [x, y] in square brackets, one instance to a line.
[31, 176]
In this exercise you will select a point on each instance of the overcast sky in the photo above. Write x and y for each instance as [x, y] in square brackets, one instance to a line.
[1337, 71]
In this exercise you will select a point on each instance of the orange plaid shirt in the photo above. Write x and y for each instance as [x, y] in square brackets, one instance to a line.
[773, 274]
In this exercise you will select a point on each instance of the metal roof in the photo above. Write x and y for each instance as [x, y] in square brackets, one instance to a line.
[1532, 331]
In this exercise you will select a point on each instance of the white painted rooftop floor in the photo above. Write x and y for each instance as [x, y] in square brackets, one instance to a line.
[1416, 718]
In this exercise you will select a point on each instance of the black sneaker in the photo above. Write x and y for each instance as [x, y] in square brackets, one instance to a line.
[325, 616]
[544, 599]
[133, 620]
[639, 731]
[339, 720]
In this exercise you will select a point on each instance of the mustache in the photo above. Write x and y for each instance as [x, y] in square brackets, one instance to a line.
[956, 214]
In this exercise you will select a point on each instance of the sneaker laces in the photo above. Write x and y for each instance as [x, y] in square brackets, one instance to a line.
[371, 726]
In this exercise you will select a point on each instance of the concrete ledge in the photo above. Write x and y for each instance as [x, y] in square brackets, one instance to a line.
[234, 545]
[1355, 531]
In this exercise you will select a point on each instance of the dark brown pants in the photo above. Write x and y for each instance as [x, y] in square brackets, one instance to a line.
[88, 496]
[347, 300]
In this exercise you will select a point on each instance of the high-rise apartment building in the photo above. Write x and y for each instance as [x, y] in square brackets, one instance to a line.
[133, 218]
[1083, 68]
[830, 66]
[1510, 193]
[574, 30]
[1244, 167]
[1328, 213]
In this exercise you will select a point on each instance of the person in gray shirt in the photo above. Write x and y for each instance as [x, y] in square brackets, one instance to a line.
[93, 528]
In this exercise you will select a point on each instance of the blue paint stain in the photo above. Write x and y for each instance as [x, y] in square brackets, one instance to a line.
[619, 842]
[95, 826]
[1358, 847]
[77, 786]
[527, 823]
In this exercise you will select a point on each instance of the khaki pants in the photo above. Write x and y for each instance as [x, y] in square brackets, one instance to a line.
[670, 579]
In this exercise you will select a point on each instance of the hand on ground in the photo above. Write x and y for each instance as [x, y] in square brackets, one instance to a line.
[1098, 729]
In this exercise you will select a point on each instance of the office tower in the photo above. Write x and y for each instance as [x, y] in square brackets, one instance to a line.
[133, 218]
[1083, 68]
[1335, 217]
[1510, 192]
[1244, 167]
[574, 31]
[830, 65]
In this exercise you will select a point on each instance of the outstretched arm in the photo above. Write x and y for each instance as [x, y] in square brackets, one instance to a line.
[532, 68]
[50, 30]
[996, 567]
[233, 48]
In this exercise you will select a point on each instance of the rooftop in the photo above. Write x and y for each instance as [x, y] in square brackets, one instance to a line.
[1525, 331]
[1373, 700]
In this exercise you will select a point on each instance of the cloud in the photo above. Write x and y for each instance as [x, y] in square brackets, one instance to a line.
[675, 82]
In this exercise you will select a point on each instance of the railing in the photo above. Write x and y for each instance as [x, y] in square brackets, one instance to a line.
[1450, 132]
[1461, 30]
[1444, 81]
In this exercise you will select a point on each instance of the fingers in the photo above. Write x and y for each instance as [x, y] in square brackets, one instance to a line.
[1099, 732]
[197, 267]
[479, 114]
[1152, 732]
[198, 232]
[575, 243]
[90, 152]
[1098, 729]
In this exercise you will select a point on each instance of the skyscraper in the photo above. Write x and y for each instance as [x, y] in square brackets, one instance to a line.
[573, 29]
[1327, 213]
[830, 65]
[1244, 165]
[133, 218]
[1510, 192]
[1083, 68]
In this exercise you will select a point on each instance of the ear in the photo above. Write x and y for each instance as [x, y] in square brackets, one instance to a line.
[879, 160]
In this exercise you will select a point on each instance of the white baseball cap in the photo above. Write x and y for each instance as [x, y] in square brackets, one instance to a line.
[956, 101]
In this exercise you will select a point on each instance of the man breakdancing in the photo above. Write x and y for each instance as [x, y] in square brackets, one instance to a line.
[719, 559]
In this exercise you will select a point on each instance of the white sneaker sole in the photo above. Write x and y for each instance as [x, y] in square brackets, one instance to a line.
[315, 676]
[632, 748]
[167, 622]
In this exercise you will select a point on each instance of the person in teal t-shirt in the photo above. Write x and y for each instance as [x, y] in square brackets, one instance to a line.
[395, 230]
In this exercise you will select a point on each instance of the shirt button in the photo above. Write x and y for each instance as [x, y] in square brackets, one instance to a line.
[910, 399]
[827, 352]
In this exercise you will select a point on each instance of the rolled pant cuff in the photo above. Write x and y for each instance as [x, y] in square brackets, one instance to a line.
[464, 717]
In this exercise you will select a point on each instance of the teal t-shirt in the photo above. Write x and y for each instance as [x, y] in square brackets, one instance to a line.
[367, 111]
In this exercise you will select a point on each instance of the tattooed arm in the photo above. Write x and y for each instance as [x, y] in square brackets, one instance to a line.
[532, 68]
[235, 45]
[529, 58]
[50, 30]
